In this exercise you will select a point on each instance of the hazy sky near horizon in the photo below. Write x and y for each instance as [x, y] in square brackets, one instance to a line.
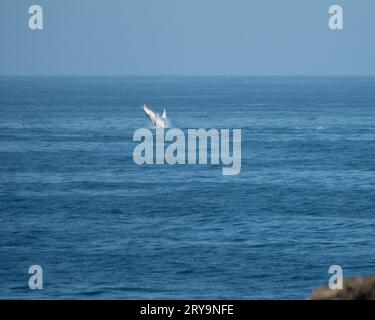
[156, 37]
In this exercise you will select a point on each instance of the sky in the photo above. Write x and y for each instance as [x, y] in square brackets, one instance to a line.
[187, 37]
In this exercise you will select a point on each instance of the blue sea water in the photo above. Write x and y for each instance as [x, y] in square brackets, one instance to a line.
[73, 201]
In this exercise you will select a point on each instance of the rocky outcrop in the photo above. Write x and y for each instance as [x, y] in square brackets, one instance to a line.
[353, 289]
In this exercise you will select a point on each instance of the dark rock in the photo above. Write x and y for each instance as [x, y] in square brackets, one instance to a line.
[353, 289]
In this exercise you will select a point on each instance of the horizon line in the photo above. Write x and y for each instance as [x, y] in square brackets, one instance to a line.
[184, 75]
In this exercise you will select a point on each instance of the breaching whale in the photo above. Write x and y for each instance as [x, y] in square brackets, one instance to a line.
[156, 120]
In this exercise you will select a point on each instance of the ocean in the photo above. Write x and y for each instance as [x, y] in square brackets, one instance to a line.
[74, 202]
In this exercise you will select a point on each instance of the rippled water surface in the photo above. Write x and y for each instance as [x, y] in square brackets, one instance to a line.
[73, 201]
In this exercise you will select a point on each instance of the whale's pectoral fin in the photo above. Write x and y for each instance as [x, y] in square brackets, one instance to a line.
[164, 116]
